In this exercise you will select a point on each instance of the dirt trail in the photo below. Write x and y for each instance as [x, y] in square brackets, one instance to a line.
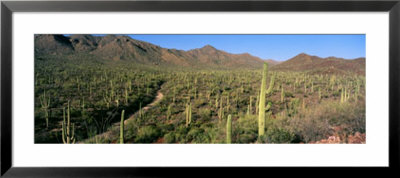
[108, 133]
[156, 100]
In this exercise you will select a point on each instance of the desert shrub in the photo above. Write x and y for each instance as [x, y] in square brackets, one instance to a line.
[300, 91]
[292, 107]
[279, 135]
[211, 132]
[336, 93]
[169, 137]
[200, 102]
[197, 135]
[350, 117]
[289, 94]
[246, 129]
[319, 122]
[180, 133]
[247, 138]
[205, 113]
[148, 134]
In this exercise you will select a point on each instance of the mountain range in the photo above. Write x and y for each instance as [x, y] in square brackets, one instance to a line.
[315, 64]
[124, 48]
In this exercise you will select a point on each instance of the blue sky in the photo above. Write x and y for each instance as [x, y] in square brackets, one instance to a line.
[277, 47]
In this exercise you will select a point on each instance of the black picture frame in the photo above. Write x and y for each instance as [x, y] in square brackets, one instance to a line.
[8, 7]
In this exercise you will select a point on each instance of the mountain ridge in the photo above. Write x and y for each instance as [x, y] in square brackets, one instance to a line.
[119, 47]
[315, 64]
[125, 48]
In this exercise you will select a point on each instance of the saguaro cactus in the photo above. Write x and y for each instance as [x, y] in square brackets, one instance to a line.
[342, 96]
[312, 86]
[45, 104]
[319, 93]
[67, 137]
[250, 105]
[188, 114]
[121, 129]
[228, 103]
[169, 111]
[220, 111]
[271, 85]
[112, 89]
[261, 114]
[229, 129]
[216, 103]
[126, 97]
[140, 111]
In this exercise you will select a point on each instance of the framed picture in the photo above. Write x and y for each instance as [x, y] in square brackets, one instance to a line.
[136, 88]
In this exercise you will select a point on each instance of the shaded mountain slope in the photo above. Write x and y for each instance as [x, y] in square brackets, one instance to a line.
[117, 47]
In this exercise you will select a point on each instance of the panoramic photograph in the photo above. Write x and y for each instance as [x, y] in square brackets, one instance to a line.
[199, 89]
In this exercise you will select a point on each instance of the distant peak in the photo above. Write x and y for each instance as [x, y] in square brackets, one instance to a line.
[303, 54]
[208, 47]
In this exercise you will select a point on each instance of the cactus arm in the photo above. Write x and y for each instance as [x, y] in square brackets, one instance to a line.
[268, 107]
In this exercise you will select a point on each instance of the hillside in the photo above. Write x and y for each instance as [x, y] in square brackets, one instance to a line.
[314, 64]
[116, 48]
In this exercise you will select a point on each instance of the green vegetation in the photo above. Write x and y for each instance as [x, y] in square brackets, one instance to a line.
[164, 104]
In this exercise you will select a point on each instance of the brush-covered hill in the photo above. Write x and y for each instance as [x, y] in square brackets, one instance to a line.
[314, 64]
[124, 48]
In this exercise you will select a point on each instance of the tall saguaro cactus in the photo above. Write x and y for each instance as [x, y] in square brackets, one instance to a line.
[45, 104]
[319, 93]
[220, 111]
[188, 114]
[169, 111]
[250, 105]
[229, 129]
[67, 136]
[261, 114]
[121, 129]
[341, 96]
[126, 97]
